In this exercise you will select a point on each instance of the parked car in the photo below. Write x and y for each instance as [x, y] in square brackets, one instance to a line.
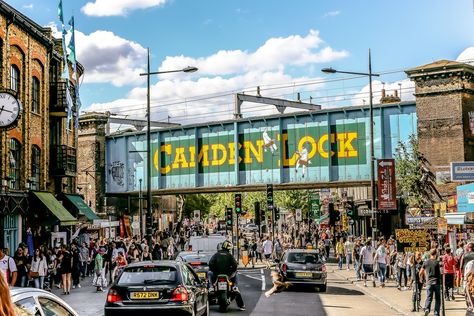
[198, 260]
[158, 287]
[34, 302]
[251, 228]
[304, 267]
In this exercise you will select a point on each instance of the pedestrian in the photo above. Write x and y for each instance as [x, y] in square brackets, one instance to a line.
[348, 250]
[8, 268]
[22, 265]
[327, 246]
[382, 259]
[253, 250]
[76, 266]
[6, 306]
[401, 265]
[85, 259]
[259, 251]
[100, 280]
[340, 252]
[449, 267]
[66, 269]
[121, 262]
[39, 268]
[278, 249]
[356, 258]
[417, 281]
[267, 250]
[367, 258]
[432, 274]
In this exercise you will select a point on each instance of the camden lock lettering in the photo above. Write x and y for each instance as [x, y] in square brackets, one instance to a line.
[310, 147]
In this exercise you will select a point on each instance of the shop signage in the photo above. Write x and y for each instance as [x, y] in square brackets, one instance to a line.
[411, 240]
[464, 198]
[462, 171]
[299, 215]
[442, 226]
[387, 192]
[364, 211]
[452, 201]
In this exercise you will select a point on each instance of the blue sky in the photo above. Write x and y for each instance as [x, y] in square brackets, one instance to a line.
[240, 44]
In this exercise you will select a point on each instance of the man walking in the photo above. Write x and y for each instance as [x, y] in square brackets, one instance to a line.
[431, 272]
[367, 259]
[267, 250]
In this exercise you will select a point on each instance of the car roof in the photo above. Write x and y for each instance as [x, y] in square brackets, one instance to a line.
[160, 263]
[302, 251]
[196, 253]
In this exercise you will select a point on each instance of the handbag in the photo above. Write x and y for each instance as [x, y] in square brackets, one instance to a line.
[33, 274]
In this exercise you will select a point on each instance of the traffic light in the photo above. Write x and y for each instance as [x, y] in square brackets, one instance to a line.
[238, 203]
[270, 196]
[277, 214]
[228, 217]
[257, 213]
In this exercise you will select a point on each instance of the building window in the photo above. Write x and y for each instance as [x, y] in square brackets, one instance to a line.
[15, 164]
[15, 78]
[35, 167]
[35, 95]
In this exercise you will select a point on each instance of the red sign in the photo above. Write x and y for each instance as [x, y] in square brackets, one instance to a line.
[387, 192]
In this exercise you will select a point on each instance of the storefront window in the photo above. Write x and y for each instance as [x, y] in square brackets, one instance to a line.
[35, 167]
[15, 164]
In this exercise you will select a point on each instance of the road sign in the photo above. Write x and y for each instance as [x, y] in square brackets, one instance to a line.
[197, 215]
[387, 192]
[462, 171]
[299, 215]
[315, 205]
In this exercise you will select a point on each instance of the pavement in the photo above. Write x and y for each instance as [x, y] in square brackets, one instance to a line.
[396, 300]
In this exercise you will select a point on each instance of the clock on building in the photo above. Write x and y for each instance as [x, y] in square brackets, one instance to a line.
[9, 109]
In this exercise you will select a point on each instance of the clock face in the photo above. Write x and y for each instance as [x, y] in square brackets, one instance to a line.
[9, 109]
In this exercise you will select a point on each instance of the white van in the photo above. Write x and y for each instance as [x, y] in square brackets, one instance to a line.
[206, 243]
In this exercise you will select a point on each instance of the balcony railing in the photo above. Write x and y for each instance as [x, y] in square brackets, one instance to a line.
[63, 161]
[57, 97]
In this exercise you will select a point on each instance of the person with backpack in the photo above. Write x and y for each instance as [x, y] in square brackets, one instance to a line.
[8, 268]
[449, 266]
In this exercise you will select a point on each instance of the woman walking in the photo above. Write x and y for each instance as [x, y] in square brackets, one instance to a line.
[66, 269]
[382, 259]
[340, 252]
[39, 268]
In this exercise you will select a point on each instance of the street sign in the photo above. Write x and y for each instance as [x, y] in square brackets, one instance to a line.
[299, 215]
[197, 216]
[462, 171]
[387, 192]
[315, 206]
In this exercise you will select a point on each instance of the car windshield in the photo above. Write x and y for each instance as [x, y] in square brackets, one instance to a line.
[148, 275]
[197, 258]
[303, 258]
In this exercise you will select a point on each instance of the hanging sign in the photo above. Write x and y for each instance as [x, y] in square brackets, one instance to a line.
[387, 192]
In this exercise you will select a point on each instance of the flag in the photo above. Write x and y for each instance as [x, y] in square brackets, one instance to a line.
[72, 47]
[65, 74]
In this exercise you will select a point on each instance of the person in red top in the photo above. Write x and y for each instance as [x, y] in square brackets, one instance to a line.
[449, 267]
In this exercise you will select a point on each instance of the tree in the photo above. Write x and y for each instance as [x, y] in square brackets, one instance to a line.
[180, 202]
[197, 202]
[415, 181]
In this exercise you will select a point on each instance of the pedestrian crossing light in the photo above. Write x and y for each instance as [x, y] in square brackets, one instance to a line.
[238, 203]
[270, 196]
[228, 217]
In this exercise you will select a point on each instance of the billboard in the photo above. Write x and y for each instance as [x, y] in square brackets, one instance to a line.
[386, 187]
[462, 171]
[303, 147]
[465, 198]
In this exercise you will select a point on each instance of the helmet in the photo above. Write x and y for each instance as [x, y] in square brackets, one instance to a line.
[226, 245]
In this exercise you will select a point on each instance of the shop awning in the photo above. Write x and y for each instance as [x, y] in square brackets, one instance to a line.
[58, 210]
[455, 218]
[82, 207]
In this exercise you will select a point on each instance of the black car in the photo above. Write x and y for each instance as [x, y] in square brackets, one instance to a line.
[198, 260]
[157, 288]
[304, 267]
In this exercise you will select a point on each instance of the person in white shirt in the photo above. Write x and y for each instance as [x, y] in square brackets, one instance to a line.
[39, 266]
[383, 259]
[267, 250]
[348, 248]
[367, 259]
[8, 268]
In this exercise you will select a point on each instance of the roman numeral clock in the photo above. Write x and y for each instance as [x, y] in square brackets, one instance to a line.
[10, 110]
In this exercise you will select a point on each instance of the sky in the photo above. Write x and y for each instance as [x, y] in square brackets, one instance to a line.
[279, 45]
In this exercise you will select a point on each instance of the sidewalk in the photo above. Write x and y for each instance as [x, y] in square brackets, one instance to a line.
[399, 301]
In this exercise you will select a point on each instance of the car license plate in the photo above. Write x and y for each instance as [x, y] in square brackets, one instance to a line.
[202, 275]
[222, 286]
[303, 274]
[145, 295]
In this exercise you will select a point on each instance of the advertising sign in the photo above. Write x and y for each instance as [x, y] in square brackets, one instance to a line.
[462, 171]
[299, 215]
[411, 240]
[464, 198]
[315, 210]
[387, 192]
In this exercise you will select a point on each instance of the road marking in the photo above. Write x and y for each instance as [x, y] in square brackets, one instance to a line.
[252, 277]
[263, 279]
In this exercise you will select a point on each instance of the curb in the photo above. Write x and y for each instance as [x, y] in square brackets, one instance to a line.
[373, 296]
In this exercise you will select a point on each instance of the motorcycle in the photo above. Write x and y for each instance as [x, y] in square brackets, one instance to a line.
[222, 292]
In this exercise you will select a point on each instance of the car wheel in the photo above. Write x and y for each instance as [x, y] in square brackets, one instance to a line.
[322, 288]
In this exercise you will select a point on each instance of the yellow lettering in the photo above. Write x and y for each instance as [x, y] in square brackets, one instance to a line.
[216, 161]
[180, 159]
[288, 161]
[167, 149]
[232, 153]
[192, 154]
[249, 147]
[322, 140]
[203, 156]
[312, 142]
[346, 149]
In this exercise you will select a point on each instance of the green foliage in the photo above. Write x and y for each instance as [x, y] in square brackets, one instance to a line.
[415, 181]
[196, 202]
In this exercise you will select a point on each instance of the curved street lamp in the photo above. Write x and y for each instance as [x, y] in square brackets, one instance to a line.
[331, 70]
[189, 69]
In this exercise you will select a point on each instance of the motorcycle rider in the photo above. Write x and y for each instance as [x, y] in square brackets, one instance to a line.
[222, 262]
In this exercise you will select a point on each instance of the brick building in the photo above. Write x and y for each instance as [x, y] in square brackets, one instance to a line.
[38, 155]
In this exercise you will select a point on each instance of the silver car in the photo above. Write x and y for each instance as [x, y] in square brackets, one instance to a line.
[36, 302]
[304, 267]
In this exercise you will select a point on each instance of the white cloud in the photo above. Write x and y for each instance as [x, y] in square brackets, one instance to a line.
[332, 13]
[28, 6]
[108, 58]
[118, 7]
[407, 90]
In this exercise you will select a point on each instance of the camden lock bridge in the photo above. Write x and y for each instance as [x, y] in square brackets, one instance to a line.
[308, 149]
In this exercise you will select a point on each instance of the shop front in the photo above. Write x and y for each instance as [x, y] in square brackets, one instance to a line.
[13, 207]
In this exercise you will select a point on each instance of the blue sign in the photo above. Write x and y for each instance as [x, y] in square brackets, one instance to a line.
[462, 171]
[465, 195]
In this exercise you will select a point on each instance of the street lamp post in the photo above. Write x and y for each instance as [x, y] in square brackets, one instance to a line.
[149, 228]
[371, 135]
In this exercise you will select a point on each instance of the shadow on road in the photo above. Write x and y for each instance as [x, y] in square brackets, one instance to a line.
[336, 290]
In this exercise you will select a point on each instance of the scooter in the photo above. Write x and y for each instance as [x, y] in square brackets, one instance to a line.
[222, 292]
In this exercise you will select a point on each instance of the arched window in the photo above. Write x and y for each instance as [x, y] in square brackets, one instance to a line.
[35, 167]
[15, 164]
[15, 78]
[35, 95]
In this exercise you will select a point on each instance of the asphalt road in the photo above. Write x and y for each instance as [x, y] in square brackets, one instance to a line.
[341, 298]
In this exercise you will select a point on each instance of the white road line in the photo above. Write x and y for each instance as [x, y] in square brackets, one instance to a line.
[263, 279]
[252, 277]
